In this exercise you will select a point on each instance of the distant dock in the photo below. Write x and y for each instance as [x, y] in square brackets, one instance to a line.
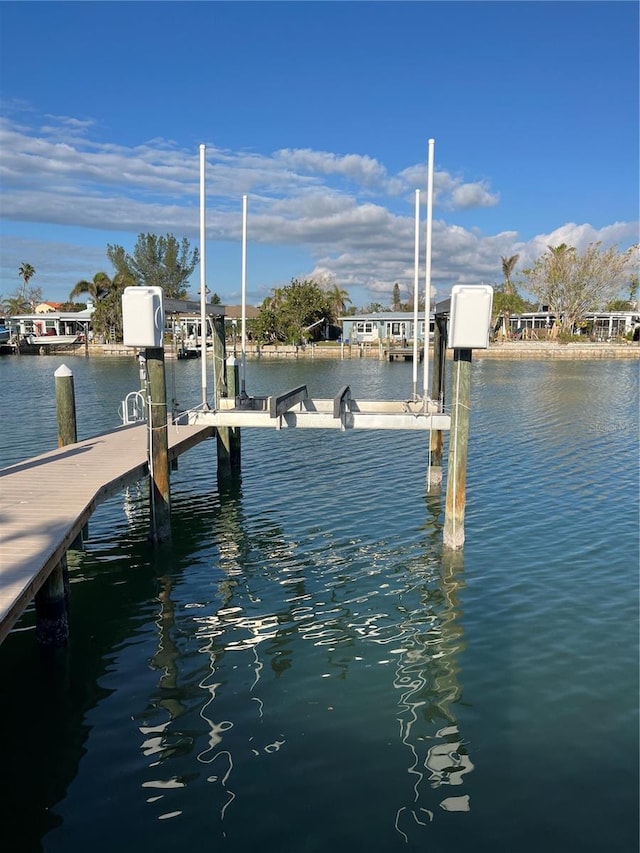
[394, 353]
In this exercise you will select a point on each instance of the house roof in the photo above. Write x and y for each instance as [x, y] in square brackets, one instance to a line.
[234, 312]
[46, 307]
[383, 316]
[55, 315]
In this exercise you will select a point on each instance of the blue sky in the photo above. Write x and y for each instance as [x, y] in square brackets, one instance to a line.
[320, 113]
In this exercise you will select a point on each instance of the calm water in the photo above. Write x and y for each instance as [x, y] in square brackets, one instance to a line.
[301, 669]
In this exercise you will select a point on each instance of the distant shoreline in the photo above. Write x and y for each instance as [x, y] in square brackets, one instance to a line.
[544, 350]
[539, 350]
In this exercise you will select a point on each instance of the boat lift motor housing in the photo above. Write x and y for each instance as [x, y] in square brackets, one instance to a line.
[142, 317]
[470, 316]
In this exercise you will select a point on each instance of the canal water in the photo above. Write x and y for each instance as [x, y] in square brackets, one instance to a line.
[302, 669]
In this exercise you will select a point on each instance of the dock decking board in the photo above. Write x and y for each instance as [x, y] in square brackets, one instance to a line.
[46, 501]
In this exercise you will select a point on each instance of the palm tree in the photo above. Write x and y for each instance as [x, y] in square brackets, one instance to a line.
[96, 289]
[560, 250]
[508, 265]
[338, 300]
[26, 272]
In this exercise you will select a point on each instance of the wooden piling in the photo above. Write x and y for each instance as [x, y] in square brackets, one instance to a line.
[227, 384]
[228, 438]
[458, 444]
[65, 406]
[52, 622]
[67, 434]
[159, 487]
[52, 599]
[436, 440]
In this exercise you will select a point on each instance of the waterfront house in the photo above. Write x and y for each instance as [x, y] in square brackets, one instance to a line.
[391, 326]
[50, 323]
[601, 325]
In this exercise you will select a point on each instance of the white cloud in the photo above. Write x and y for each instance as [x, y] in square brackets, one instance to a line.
[357, 168]
[344, 213]
[449, 192]
[473, 195]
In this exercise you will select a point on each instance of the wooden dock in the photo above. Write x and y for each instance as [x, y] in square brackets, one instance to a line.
[398, 353]
[45, 502]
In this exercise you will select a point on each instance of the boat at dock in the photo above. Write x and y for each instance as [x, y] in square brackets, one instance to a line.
[40, 333]
[46, 343]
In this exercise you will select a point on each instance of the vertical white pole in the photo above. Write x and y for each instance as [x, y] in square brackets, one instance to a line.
[203, 277]
[427, 284]
[243, 391]
[416, 262]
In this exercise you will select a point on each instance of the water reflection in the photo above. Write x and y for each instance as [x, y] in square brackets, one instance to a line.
[274, 603]
[427, 678]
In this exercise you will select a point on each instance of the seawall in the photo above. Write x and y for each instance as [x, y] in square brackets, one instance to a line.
[508, 350]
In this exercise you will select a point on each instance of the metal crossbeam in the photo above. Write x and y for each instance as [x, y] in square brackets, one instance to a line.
[341, 412]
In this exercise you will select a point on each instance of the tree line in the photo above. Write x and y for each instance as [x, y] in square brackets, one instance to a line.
[568, 282]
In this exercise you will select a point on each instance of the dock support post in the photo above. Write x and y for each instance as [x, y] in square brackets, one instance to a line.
[229, 441]
[219, 361]
[65, 406]
[458, 444]
[436, 439]
[52, 622]
[67, 428]
[159, 487]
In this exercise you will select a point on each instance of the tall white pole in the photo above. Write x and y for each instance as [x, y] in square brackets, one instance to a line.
[427, 281]
[203, 277]
[416, 264]
[243, 390]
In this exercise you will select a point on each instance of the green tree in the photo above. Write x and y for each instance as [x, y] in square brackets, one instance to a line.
[617, 305]
[107, 317]
[507, 299]
[26, 272]
[504, 305]
[292, 313]
[22, 301]
[73, 306]
[338, 300]
[508, 265]
[26, 298]
[573, 283]
[15, 304]
[157, 262]
[396, 301]
[106, 294]
[96, 289]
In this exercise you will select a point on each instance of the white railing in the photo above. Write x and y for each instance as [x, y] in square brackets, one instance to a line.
[133, 408]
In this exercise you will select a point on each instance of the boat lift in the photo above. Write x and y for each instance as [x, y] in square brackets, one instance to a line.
[295, 409]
